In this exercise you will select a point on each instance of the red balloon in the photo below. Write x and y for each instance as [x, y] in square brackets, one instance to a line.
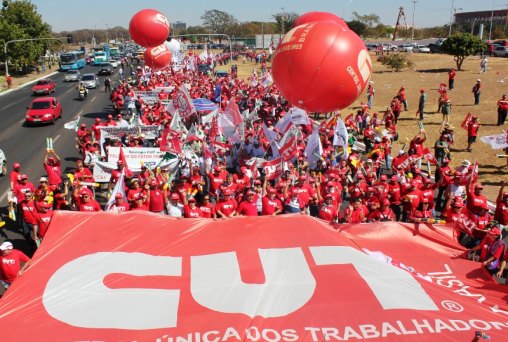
[318, 16]
[321, 66]
[149, 28]
[157, 57]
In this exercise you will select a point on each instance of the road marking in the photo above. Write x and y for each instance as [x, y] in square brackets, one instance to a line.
[3, 196]
[21, 121]
[93, 99]
[9, 105]
[56, 138]
[78, 115]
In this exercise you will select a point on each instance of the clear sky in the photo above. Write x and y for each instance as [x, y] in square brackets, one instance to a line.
[70, 15]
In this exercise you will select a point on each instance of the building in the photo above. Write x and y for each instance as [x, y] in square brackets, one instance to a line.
[499, 18]
[179, 26]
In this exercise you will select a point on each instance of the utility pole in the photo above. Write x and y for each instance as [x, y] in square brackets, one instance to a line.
[413, 24]
[491, 18]
[283, 19]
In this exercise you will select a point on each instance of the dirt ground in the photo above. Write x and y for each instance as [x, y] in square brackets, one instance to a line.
[429, 71]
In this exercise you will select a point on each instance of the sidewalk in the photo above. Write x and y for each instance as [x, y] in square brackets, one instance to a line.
[19, 82]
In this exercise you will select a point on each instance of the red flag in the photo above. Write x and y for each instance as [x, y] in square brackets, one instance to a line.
[471, 176]
[171, 141]
[183, 102]
[427, 154]
[273, 168]
[288, 150]
[466, 121]
[214, 128]
[233, 112]
[401, 163]
[121, 157]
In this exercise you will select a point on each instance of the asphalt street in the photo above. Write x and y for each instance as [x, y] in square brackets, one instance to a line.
[27, 144]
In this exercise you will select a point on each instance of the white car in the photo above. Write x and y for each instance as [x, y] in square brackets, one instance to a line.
[406, 47]
[113, 62]
[500, 51]
[389, 47]
[421, 49]
[3, 164]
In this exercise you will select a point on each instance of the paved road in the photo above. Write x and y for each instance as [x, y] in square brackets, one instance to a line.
[27, 145]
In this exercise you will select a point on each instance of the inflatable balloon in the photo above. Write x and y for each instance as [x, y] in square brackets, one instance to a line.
[321, 66]
[149, 28]
[318, 16]
[173, 46]
[158, 57]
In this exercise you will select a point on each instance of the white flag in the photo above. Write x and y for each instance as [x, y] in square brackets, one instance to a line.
[341, 136]
[118, 189]
[314, 149]
[496, 141]
[73, 124]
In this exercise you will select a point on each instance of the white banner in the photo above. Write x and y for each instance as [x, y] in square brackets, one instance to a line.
[149, 132]
[496, 141]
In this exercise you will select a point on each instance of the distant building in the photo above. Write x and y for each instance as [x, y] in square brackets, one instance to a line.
[179, 26]
[499, 17]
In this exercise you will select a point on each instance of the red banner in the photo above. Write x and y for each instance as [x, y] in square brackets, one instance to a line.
[427, 154]
[183, 102]
[288, 151]
[466, 121]
[171, 141]
[401, 163]
[233, 113]
[137, 276]
[273, 168]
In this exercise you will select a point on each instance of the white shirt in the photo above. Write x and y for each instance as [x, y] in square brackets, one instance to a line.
[175, 210]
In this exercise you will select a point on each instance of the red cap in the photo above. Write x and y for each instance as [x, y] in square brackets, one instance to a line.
[457, 174]
[505, 194]
[153, 182]
[394, 178]
[175, 196]
[386, 201]
[272, 191]
[23, 177]
[191, 200]
[16, 165]
[45, 205]
[257, 182]
[383, 177]
[329, 184]
[329, 196]
[413, 183]
[458, 203]
[118, 196]
[302, 178]
[494, 231]
[370, 189]
[425, 200]
[227, 192]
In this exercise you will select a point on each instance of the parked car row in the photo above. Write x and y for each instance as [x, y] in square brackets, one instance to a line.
[407, 47]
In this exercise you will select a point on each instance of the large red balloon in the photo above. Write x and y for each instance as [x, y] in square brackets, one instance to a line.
[157, 57]
[149, 28]
[318, 16]
[321, 66]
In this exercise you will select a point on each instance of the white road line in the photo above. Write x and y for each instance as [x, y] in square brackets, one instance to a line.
[93, 99]
[9, 105]
[56, 138]
[79, 114]
[21, 121]
[3, 196]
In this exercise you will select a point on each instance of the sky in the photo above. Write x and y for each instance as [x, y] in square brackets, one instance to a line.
[68, 15]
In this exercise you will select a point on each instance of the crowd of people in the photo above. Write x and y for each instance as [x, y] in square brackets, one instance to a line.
[355, 182]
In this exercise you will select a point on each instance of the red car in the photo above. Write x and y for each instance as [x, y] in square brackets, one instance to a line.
[43, 110]
[45, 86]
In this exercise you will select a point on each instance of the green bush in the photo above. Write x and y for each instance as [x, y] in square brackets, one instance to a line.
[397, 61]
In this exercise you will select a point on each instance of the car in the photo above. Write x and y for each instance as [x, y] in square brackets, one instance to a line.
[72, 76]
[421, 49]
[113, 62]
[3, 164]
[90, 81]
[44, 86]
[371, 47]
[221, 73]
[105, 69]
[43, 110]
[500, 51]
[405, 48]
[204, 68]
[389, 47]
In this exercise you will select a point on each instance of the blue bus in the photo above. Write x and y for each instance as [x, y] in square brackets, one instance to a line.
[100, 56]
[72, 60]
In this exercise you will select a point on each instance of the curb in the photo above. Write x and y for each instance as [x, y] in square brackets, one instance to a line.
[28, 83]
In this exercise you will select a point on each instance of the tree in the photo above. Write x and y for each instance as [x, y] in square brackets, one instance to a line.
[284, 20]
[219, 22]
[397, 61]
[20, 20]
[357, 27]
[461, 46]
[368, 19]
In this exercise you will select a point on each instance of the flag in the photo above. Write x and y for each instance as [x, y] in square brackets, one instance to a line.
[341, 136]
[284, 123]
[298, 116]
[466, 121]
[349, 120]
[204, 104]
[496, 141]
[271, 135]
[183, 102]
[288, 150]
[233, 113]
[471, 176]
[273, 168]
[465, 224]
[314, 150]
[205, 119]
[218, 92]
[171, 141]
[427, 154]
[401, 163]
[226, 126]
[73, 124]
[266, 80]
[119, 188]
[122, 158]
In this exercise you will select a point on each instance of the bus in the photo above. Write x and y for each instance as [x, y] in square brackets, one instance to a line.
[72, 60]
[113, 51]
[100, 56]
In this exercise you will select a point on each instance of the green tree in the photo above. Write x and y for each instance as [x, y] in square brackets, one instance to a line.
[20, 20]
[284, 21]
[219, 22]
[461, 46]
[357, 27]
[397, 61]
[368, 19]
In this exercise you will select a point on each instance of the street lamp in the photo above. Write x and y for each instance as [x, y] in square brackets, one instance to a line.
[93, 32]
[413, 25]
[451, 17]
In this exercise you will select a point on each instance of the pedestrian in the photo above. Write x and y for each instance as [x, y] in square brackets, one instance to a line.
[477, 92]
[502, 110]
[451, 78]
[8, 79]
[370, 94]
[421, 103]
[446, 108]
[483, 64]
[13, 263]
[472, 132]
[402, 97]
[107, 85]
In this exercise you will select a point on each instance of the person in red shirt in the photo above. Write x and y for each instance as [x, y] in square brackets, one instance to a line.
[402, 97]
[29, 216]
[207, 209]
[472, 132]
[410, 201]
[428, 190]
[453, 212]
[13, 263]
[86, 203]
[394, 194]
[14, 175]
[82, 173]
[216, 178]
[271, 205]
[475, 199]
[327, 210]
[451, 78]
[45, 214]
[248, 207]
[190, 210]
[226, 205]
[304, 190]
[120, 205]
[356, 212]
[501, 213]
[492, 249]
[157, 198]
[241, 179]
[52, 167]
[383, 213]
[502, 110]
[22, 186]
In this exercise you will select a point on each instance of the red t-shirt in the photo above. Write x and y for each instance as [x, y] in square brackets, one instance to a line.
[54, 173]
[29, 212]
[328, 212]
[207, 210]
[501, 213]
[91, 205]
[43, 221]
[474, 202]
[11, 264]
[226, 207]
[270, 206]
[189, 212]
[215, 182]
[246, 208]
[472, 129]
[156, 200]
[124, 206]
